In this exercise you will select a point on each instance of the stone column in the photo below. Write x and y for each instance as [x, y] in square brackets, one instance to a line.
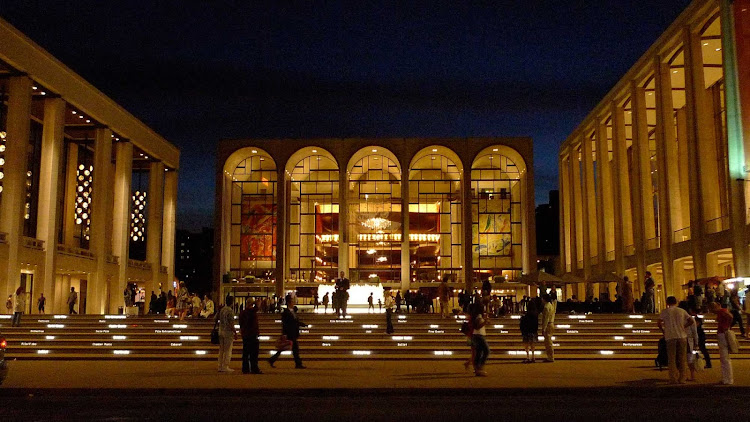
[14, 181]
[281, 230]
[170, 220]
[121, 218]
[589, 205]
[666, 172]
[564, 215]
[467, 227]
[49, 175]
[604, 215]
[154, 224]
[641, 192]
[101, 221]
[620, 188]
[695, 99]
[405, 247]
[343, 223]
[738, 123]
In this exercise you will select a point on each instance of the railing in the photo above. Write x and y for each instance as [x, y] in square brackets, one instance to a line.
[112, 259]
[594, 260]
[3, 237]
[31, 243]
[163, 269]
[681, 235]
[132, 263]
[610, 256]
[629, 250]
[717, 225]
[653, 243]
[73, 251]
[580, 264]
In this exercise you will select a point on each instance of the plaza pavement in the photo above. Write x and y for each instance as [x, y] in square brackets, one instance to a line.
[28, 375]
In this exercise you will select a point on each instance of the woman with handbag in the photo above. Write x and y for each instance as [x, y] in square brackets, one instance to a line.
[724, 333]
[692, 345]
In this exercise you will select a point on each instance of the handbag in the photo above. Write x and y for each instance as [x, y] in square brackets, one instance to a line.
[283, 343]
[699, 363]
[731, 340]
[215, 333]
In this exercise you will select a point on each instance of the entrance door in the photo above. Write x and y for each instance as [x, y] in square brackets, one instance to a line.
[82, 297]
[27, 282]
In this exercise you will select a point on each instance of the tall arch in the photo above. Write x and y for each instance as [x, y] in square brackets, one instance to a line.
[435, 247]
[250, 214]
[374, 215]
[313, 215]
[500, 213]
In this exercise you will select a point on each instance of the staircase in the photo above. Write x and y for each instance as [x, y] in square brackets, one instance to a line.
[359, 336]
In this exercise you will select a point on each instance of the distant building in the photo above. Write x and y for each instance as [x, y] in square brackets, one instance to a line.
[548, 233]
[87, 191]
[655, 178]
[193, 259]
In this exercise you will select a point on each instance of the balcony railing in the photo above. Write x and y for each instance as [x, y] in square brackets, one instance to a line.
[717, 224]
[594, 260]
[112, 259]
[681, 235]
[31, 243]
[610, 256]
[77, 252]
[163, 269]
[653, 243]
[141, 265]
[3, 237]
[580, 264]
[630, 250]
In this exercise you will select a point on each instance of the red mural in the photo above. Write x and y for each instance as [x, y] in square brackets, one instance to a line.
[258, 230]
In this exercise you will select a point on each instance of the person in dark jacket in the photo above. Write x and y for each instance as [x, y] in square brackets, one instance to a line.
[530, 331]
[290, 326]
[250, 342]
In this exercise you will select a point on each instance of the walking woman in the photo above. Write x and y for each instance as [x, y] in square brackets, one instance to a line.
[724, 323]
[182, 301]
[482, 349]
[20, 306]
[530, 331]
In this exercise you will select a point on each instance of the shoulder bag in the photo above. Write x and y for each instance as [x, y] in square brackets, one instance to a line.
[215, 332]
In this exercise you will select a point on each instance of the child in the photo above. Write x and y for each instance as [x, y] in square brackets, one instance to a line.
[530, 330]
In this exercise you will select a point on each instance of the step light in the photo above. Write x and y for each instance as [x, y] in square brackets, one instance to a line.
[42, 352]
[179, 326]
[443, 353]
[619, 338]
[116, 317]
[118, 326]
[119, 337]
[285, 352]
[515, 317]
[60, 317]
[6, 317]
[635, 316]
[55, 325]
[330, 337]
[264, 338]
[607, 352]
[200, 352]
[190, 338]
[402, 338]
[121, 352]
[498, 326]
[49, 337]
[627, 325]
[361, 352]
[523, 353]
[434, 326]
[576, 316]
[562, 326]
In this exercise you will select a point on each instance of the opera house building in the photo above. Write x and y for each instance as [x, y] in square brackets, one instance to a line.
[404, 213]
[656, 178]
[87, 191]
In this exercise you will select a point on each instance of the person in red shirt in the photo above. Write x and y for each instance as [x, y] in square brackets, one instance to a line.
[724, 323]
[250, 342]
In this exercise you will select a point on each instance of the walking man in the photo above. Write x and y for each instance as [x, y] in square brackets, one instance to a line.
[342, 293]
[250, 342]
[40, 303]
[443, 292]
[227, 334]
[673, 321]
[72, 300]
[548, 326]
[290, 325]
[649, 285]
[370, 305]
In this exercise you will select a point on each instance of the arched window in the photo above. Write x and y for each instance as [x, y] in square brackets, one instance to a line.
[314, 216]
[497, 185]
[253, 216]
[435, 214]
[374, 216]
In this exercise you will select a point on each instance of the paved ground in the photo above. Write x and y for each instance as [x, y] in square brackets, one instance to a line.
[349, 375]
[364, 390]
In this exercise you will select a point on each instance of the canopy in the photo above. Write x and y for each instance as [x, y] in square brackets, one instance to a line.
[606, 278]
[569, 278]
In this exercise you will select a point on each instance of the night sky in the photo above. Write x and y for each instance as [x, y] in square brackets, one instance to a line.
[198, 72]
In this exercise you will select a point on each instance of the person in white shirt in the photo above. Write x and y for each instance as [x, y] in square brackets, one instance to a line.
[673, 322]
[227, 335]
[548, 326]
[208, 307]
[389, 304]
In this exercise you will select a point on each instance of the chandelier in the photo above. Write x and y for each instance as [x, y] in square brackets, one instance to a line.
[376, 223]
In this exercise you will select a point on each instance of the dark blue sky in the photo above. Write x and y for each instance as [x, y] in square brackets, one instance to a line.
[198, 72]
